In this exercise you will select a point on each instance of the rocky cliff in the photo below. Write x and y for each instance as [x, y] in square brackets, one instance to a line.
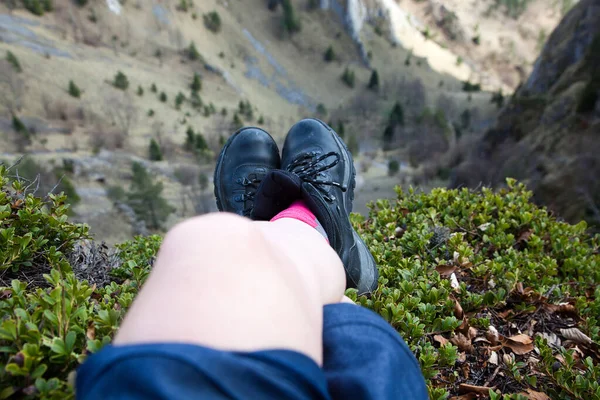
[549, 132]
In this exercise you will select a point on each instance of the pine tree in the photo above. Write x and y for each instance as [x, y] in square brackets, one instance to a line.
[196, 85]
[192, 52]
[179, 99]
[200, 143]
[397, 116]
[155, 153]
[74, 90]
[190, 140]
[121, 81]
[145, 198]
[374, 81]
[329, 54]
[140, 91]
[388, 137]
[290, 22]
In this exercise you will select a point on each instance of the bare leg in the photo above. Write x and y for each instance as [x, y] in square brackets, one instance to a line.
[225, 282]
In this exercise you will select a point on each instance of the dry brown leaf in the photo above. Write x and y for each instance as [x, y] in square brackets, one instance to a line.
[533, 395]
[441, 340]
[462, 342]
[458, 310]
[524, 236]
[563, 308]
[468, 396]
[465, 388]
[575, 335]
[91, 331]
[445, 270]
[472, 333]
[519, 344]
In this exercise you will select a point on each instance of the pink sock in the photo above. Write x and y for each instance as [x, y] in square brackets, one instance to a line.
[299, 211]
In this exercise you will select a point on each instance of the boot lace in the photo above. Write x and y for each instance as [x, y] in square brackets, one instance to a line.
[250, 184]
[308, 166]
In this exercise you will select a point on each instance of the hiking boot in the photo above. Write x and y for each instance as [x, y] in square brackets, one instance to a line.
[245, 160]
[317, 167]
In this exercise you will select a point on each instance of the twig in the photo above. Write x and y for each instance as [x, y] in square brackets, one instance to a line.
[55, 186]
[491, 378]
[16, 163]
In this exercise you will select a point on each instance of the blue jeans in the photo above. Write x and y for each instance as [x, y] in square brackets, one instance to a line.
[364, 358]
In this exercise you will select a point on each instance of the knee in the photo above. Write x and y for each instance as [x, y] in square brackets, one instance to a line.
[212, 232]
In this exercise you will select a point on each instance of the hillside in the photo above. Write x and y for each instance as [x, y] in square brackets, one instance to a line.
[248, 66]
[547, 134]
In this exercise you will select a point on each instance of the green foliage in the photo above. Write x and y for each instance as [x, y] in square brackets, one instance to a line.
[179, 99]
[261, 120]
[38, 7]
[513, 8]
[195, 142]
[236, 122]
[471, 87]
[498, 237]
[74, 90]
[150, 113]
[154, 151]
[374, 81]
[348, 77]
[14, 61]
[341, 129]
[393, 167]
[81, 3]
[212, 21]
[192, 52]
[396, 115]
[321, 110]
[163, 97]
[145, 198]
[196, 84]
[498, 98]
[245, 109]
[183, 6]
[153, 88]
[291, 23]
[19, 126]
[329, 55]
[121, 81]
[388, 137]
[140, 91]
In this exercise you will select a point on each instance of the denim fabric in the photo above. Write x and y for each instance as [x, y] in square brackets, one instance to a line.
[364, 358]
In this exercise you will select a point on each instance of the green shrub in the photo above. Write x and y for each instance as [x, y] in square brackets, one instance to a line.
[533, 261]
[212, 21]
[374, 81]
[388, 137]
[396, 115]
[81, 3]
[321, 109]
[471, 87]
[37, 7]
[348, 77]
[179, 99]
[19, 126]
[196, 84]
[291, 23]
[74, 90]
[514, 262]
[14, 61]
[150, 113]
[498, 99]
[183, 6]
[154, 151]
[393, 167]
[236, 122]
[121, 81]
[192, 52]
[245, 109]
[341, 129]
[329, 55]
[163, 97]
[261, 120]
[153, 88]
[140, 91]
[145, 198]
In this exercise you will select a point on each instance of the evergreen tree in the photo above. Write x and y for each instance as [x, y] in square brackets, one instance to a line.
[291, 23]
[374, 81]
[179, 99]
[121, 81]
[74, 89]
[200, 143]
[397, 115]
[190, 140]
[145, 198]
[140, 91]
[196, 85]
[163, 97]
[329, 54]
[348, 77]
[388, 137]
[153, 88]
[192, 52]
[155, 153]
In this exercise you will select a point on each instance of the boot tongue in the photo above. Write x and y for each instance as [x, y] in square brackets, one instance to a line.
[278, 190]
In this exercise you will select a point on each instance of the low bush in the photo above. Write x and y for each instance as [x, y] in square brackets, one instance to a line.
[329, 55]
[212, 21]
[348, 77]
[154, 152]
[476, 282]
[374, 81]
[163, 97]
[14, 61]
[74, 90]
[120, 81]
